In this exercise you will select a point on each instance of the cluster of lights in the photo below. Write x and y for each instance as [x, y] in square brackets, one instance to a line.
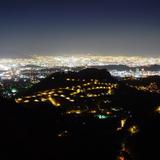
[73, 61]
[132, 73]
[152, 87]
[86, 89]
[17, 67]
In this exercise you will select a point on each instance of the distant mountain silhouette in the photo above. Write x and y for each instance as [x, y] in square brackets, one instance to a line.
[58, 79]
[90, 73]
[121, 67]
[130, 98]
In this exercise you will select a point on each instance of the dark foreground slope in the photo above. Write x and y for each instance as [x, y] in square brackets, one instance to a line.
[45, 132]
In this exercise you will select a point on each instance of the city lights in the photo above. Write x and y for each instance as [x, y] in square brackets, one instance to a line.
[19, 66]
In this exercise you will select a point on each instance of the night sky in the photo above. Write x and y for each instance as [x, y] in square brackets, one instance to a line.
[65, 27]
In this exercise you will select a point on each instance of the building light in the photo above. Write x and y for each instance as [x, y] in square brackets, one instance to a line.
[133, 129]
[68, 98]
[28, 97]
[101, 116]
[74, 112]
[123, 121]
[26, 101]
[158, 109]
[44, 93]
[62, 95]
[93, 111]
[43, 99]
[36, 100]
[51, 92]
[78, 90]
[18, 100]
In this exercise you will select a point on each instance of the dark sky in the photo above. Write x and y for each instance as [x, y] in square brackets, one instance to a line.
[64, 27]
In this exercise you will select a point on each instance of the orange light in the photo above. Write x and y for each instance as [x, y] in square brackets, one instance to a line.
[121, 158]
